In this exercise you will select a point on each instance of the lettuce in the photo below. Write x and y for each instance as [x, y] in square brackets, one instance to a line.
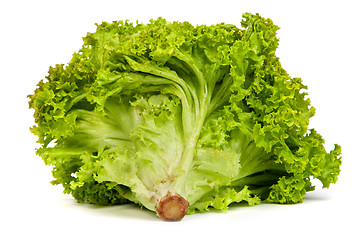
[180, 119]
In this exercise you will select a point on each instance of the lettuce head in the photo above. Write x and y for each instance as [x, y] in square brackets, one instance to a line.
[180, 119]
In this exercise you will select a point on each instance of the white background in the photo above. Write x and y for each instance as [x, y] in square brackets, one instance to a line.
[319, 42]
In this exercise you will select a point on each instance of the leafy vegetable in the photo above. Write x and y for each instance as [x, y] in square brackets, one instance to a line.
[180, 119]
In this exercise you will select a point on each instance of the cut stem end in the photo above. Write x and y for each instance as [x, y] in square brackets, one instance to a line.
[172, 207]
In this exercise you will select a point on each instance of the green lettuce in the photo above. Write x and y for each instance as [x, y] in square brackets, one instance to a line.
[180, 119]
